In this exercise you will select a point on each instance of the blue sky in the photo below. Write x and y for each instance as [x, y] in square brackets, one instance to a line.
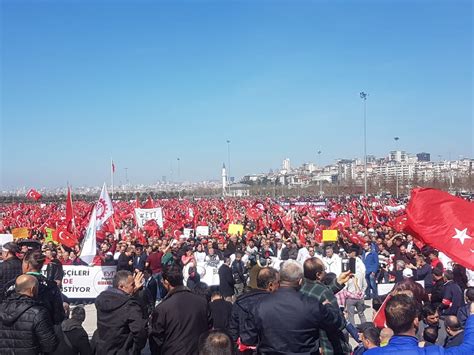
[146, 82]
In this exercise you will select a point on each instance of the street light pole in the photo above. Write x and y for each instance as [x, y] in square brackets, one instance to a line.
[363, 96]
[320, 182]
[228, 164]
[178, 168]
[396, 163]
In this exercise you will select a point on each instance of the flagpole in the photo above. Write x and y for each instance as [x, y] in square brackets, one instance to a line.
[112, 176]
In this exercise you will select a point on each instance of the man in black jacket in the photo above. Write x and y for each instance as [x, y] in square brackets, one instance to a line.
[179, 320]
[121, 327]
[10, 269]
[25, 327]
[125, 260]
[73, 339]
[288, 322]
[49, 294]
[226, 280]
[242, 309]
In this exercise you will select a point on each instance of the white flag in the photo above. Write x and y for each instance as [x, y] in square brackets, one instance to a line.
[104, 208]
[89, 245]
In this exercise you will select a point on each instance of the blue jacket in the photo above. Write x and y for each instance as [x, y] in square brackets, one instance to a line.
[407, 345]
[371, 259]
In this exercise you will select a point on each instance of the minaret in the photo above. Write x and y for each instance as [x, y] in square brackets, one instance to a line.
[224, 180]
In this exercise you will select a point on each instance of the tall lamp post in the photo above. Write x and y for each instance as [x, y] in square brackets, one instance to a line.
[320, 182]
[228, 163]
[179, 170]
[363, 96]
[396, 163]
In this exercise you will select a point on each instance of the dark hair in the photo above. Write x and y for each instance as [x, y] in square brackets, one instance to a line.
[372, 334]
[35, 259]
[311, 267]
[120, 277]
[174, 275]
[429, 309]
[215, 342]
[430, 334]
[470, 294]
[448, 274]
[265, 276]
[78, 313]
[453, 323]
[203, 290]
[401, 311]
[329, 278]
[437, 271]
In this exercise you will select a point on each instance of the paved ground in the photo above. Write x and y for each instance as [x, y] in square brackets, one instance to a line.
[90, 324]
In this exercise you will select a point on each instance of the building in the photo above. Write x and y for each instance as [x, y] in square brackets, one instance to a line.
[398, 156]
[238, 190]
[286, 165]
[423, 156]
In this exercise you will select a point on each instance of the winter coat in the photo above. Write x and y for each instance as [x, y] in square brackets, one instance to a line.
[178, 321]
[9, 270]
[49, 296]
[25, 327]
[242, 314]
[288, 322]
[220, 312]
[226, 281]
[73, 339]
[121, 327]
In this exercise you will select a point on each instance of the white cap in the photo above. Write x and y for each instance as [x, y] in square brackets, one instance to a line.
[407, 272]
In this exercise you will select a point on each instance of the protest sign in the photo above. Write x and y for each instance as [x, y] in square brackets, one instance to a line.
[235, 229]
[329, 235]
[144, 215]
[202, 231]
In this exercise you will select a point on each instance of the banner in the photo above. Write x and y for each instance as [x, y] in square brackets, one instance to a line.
[202, 231]
[143, 215]
[329, 235]
[86, 281]
[209, 274]
[5, 238]
[235, 229]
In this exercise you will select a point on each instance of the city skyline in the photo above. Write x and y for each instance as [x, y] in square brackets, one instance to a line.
[286, 167]
[177, 89]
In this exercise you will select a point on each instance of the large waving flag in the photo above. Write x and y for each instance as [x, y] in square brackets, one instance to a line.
[89, 244]
[444, 222]
[104, 208]
[102, 211]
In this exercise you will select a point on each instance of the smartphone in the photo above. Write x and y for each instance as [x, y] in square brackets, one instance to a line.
[345, 264]
[352, 265]
[348, 264]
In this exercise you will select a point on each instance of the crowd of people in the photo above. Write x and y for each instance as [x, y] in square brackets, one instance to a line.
[282, 288]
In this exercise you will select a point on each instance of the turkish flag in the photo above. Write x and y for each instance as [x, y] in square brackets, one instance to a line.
[309, 223]
[33, 194]
[62, 236]
[400, 223]
[287, 222]
[379, 318]
[254, 213]
[341, 221]
[444, 222]
[149, 203]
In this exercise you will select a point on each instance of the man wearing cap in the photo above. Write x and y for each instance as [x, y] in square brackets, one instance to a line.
[10, 269]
